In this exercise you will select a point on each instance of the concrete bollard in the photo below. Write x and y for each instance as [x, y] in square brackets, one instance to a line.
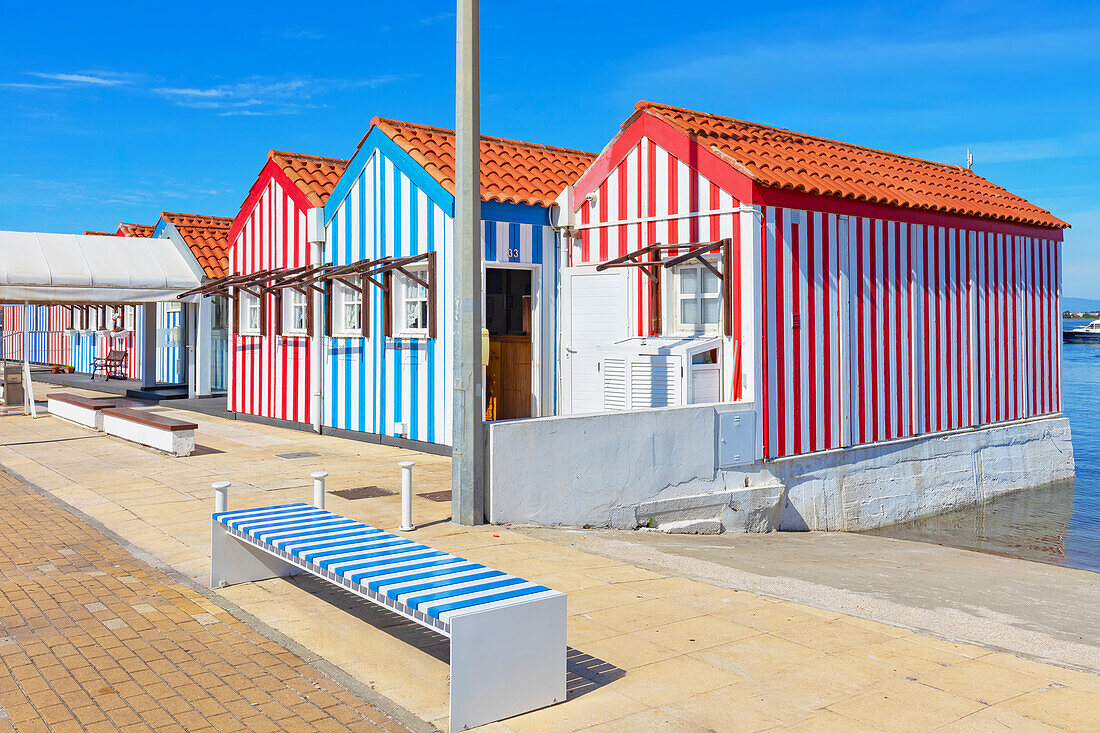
[406, 496]
[319, 488]
[221, 495]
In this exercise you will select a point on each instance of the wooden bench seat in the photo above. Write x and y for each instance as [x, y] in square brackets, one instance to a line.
[83, 411]
[168, 434]
[507, 634]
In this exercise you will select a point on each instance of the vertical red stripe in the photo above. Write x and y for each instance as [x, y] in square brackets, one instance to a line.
[814, 398]
[780, 327]
[861, 392]
[829, 235]
[796, 333]
[769, 316]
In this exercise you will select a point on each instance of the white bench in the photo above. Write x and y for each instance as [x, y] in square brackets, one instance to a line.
[507, 634]
[83, 411]
[148, 428]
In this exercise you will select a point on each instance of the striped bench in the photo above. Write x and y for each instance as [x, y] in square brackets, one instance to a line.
[507, 635]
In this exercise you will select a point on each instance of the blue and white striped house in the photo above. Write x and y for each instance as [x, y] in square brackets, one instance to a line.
[396, 199]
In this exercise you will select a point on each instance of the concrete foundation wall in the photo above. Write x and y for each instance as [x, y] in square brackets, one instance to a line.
[691, 469]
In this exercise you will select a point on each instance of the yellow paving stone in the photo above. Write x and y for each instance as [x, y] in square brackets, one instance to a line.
[1067, 707]
[642, 614]
[996, 719]
[672, 680]
[830, 635]
[733, 708]
[758, 657]
[905, 705]
[826, 721]
[599, 597]
[695, 634]
[649, 720]
[627, 651]
[983, 682]
[581, 713]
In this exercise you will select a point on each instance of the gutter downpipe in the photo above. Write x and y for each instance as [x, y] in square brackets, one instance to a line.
[561, 221]
[315, 232]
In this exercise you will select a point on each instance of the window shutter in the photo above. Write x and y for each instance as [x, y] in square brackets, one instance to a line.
[278, 296]
[387, 303]
[431, 295]
[327, 295]
[364, 309]
[263, 313]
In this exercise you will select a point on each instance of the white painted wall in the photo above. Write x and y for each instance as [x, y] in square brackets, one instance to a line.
[621, 469]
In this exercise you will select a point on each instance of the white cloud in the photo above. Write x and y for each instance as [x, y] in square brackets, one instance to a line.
[91, 78]
[261, 95]
[437, 18]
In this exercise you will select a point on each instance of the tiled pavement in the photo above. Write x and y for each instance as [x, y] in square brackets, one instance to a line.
[92, 638]
[648, 651]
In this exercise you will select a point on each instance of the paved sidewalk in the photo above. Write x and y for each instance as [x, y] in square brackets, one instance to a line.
[647, 650]
[93, 639]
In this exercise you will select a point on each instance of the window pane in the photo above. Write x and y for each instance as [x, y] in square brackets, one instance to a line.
[689, 280]
[299, 319]
[711, 283]
[710, 310]
[423, 314]
[689, 312]
[352, 317]
[412, 315]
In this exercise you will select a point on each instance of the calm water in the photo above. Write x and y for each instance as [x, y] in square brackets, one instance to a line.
[1057, 525]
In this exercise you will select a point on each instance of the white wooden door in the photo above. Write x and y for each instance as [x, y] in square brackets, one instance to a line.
[596, 315]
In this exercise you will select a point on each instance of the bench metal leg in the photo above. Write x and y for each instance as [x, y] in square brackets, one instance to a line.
[233, 561]
[506, 661]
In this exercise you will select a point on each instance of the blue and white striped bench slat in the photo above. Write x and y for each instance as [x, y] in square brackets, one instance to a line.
[423, 580]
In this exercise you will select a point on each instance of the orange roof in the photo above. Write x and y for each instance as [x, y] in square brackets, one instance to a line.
[99, 234]
[783, 159]
[208, 238]
[135, 230]
[313, 175]
[511, 171]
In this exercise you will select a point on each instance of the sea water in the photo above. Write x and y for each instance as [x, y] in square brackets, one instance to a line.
[1056, 524]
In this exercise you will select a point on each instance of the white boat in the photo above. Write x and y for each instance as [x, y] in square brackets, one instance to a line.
[1089, 334]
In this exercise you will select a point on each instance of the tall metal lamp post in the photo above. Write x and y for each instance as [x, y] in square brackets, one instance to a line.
[468, 434]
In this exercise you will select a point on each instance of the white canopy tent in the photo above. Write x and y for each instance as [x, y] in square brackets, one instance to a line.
[85, 268]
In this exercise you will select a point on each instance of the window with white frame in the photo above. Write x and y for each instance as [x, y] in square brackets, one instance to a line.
[295, 312]
[250, 313]
[411, 304]
[349, 309]
[696, 300]
[129, 317]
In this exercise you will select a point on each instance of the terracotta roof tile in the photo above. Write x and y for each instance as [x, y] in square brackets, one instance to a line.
[135, 230]
[511, 171]
[313, 175]
[791, 160]
[208, 238]
[99, 234]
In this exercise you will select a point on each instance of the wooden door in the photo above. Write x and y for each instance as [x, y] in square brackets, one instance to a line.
[508, 378]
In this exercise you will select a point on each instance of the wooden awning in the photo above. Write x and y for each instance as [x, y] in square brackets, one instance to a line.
[308, 279]
[653, 258]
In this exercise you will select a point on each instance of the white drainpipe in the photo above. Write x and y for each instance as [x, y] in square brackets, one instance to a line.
[562, 220]
[315, 232]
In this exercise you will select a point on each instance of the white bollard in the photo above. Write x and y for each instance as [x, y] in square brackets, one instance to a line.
[319, 488]
[221, 495]
[406, 496]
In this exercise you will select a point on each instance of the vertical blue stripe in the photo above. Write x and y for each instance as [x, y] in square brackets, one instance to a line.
[513, 242]
[333, 358]
[429, 348]
[361, 358]
[414, 344]
[398, 357]
[536, 246]
[490, 241]
[383, 347]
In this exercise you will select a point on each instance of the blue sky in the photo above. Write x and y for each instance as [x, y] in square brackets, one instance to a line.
[119, 111]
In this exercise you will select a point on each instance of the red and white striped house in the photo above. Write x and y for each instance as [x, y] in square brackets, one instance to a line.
[872, 296]
[270, 366]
